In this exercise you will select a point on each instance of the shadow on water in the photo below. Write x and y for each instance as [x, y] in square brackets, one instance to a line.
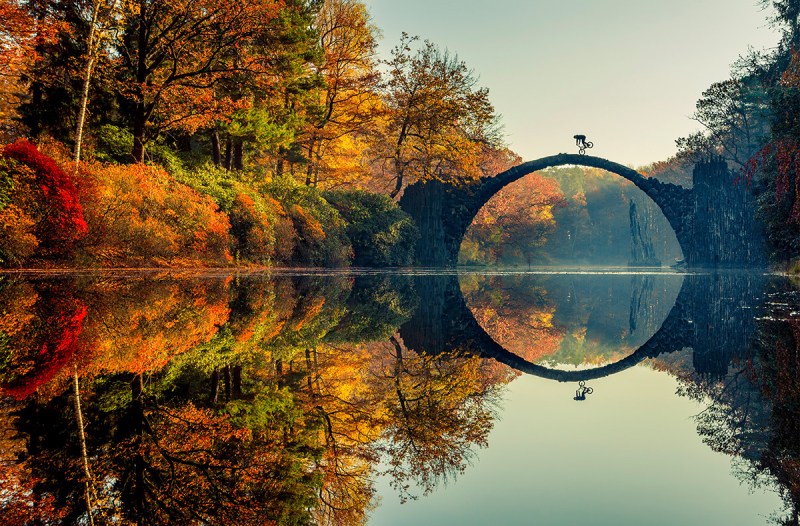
[177, 398]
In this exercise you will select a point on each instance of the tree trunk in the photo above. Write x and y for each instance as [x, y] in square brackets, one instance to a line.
[87, 77]
[36, 102]
[139, 121]
[226, 376]
[84, 455]
[398, 185]
[216, 154]
[140, 110]
[309, 371]
[279, 164]
[236, 381]
[238, 154]
[137, 415]
[310, 167]
[91, 48]
[228, 153]
[214, 392]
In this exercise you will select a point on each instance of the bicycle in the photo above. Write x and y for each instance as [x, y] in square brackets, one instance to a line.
[582, 144]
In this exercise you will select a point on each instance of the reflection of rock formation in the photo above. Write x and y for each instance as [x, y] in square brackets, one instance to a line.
[641, 295]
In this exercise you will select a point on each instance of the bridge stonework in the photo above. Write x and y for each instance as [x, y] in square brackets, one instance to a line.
[709, 233]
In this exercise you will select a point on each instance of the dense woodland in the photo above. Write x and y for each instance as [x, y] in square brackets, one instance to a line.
[185, 401]
[211, 133]
[206, 133]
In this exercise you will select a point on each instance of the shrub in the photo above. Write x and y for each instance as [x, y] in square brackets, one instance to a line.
[261, 230]
[321, 237]
[113, 144]
[381, 233]
[45, 194]
[18, 240]
[141, 216]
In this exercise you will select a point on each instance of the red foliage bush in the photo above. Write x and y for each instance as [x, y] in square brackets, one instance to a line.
[61, 220]
[53, 342]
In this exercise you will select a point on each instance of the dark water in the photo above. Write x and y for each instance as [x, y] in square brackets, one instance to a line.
[310, 397]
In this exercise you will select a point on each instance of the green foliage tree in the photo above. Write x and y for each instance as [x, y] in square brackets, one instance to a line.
[381, 233]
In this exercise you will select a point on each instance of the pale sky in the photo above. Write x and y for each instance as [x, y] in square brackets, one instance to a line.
[626, 73]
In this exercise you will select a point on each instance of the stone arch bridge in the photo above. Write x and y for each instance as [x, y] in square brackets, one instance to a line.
[713, 221]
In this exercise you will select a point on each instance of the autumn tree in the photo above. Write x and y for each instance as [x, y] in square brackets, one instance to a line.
[17, 46]
[28, 31]
[735, 115]
[173, 53]
[516, 222]
[272, 102]
[437, 118]
[774, 170]
[103, 17]
[349, 99]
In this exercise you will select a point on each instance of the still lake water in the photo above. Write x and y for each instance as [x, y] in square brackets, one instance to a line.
[392, 398]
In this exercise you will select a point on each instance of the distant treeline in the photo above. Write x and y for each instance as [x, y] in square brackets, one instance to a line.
[566, 216]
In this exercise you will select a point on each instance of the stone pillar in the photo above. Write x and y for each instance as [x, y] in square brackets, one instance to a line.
[428, 204]
[725, 232]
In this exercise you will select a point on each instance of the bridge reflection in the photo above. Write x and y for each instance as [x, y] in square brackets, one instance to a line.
[714, 314]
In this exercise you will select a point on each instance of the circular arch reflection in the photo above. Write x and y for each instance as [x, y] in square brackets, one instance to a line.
[573, 318]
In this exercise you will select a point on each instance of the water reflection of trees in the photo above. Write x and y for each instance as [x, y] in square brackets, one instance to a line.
[225, 401]
[570, 319]
[753, 411]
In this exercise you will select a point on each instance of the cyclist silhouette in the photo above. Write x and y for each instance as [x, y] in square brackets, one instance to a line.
[582, 391]
[582, 144]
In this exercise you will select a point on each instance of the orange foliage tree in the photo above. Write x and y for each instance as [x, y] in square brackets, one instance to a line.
[515, 222]
[174, 52]
[437, 119]
[349, 101]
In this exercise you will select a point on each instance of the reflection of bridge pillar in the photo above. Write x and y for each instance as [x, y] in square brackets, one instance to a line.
[723, 318]
[442, 321]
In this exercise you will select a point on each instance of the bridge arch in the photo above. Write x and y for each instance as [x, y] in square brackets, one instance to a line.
[444, 212]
